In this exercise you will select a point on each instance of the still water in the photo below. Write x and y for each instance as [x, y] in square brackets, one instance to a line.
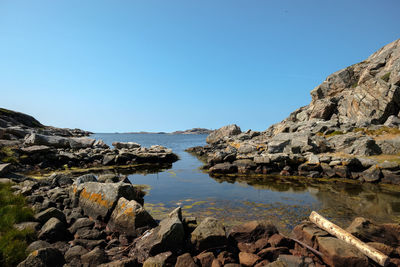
[233, 200]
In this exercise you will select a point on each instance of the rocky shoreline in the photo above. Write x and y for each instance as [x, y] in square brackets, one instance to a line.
[28, 146]
[349, 130]
[100, 221]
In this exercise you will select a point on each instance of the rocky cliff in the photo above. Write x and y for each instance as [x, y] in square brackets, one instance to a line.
[349, 130]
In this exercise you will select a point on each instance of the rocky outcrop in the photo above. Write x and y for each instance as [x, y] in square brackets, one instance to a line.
[194, 131]
[352, 119]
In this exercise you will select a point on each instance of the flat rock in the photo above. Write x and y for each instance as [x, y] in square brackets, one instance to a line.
[252, 231]
[208, 234]
[44, 257]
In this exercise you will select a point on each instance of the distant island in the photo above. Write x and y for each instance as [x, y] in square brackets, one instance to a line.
[189, 131]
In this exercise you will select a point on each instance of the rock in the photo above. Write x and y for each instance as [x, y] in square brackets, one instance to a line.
[338, 253]
[128, 145]
[81, 142]
[185, 260]
[87, 233]
[49, 213]
[277, 146]
[205, 259]
[44, 257]
[223, 168]
[390, 146]
[5, 168]
[295, 261]
[81, 223]
[252, 231]
[167, 236]
[100, 144]
[60, 179]
[226, 131]
[36, 149]
[368, 231]
[159, 260]
[53, 230]
[85, 179]
[46, 140]
[109, 159]
[112, 178]
[365, 146]
[278, 240]
[244, 165]
[392, 121]
[120, 263]
[36, 245]
[272, 253]
[94, 258]
[98, 200]
[248, 259]
[373, 174]
[128, 216]
[75, 252]
[208, 234]
[307, 232]
[390, 177]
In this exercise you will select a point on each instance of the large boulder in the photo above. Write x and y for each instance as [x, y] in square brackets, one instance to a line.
[208, 234]
[81, 142]
[5, 168]
[128, 216]
[99, 199]
[53, 230]
[390, 146]
[252, 231]
[226, 131]
[46, 140]
[167, 236]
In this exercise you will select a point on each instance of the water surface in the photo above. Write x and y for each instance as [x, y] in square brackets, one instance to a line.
[286, 202]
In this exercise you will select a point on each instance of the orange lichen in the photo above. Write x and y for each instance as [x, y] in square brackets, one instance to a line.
[96, 198]
[234, 144]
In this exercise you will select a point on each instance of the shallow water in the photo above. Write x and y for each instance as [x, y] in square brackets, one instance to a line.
[286, 202]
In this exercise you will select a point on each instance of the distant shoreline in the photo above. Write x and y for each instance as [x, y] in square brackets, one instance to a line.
[194, 131]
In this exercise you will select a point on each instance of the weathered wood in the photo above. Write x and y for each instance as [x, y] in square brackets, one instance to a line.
[341, 234]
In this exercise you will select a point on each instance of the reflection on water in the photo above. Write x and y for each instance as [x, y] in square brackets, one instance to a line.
[284, 201]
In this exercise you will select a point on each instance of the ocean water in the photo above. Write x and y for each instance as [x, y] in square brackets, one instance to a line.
[285, 202]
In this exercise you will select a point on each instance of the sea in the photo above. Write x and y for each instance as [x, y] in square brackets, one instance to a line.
[283, 201]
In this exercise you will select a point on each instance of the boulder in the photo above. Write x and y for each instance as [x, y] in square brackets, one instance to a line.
[99, 199]
[167, 236]
[223, 168]
[128, 145]
[226, 131]
[49, 213]
[75, 252]
[81, 223]
[36, 245]
[100, 144]
[392, 121]
[35, 149]
[112, 178]
[208, 234]
[46, 140]
[390, 146]
[338, 253]
[128, 216]
[44, 257]
[81, 142]
[85, 178]
[53, 230]
[373, 174]
[185, 260]
[248, 259]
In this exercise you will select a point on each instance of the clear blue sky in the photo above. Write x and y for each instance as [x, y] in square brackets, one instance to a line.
[109, 66]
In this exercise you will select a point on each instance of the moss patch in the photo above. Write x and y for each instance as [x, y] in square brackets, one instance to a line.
[386, 77]
[13, 243]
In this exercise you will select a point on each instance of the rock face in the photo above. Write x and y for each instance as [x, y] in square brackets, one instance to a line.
[353, 115]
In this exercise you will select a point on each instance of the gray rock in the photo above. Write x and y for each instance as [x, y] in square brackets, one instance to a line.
[36, 245]
[128, 145]
[94, 258]
[390, 146]
[36, 149]
[373, 174]
[81, 223]
[27, 226]
[44, 257]
[169, 235]
[49, 213]
[100, 144]
[223, 132]
[75, 252]
[53, 230]
[210, 233]
[46, 140]
[85, 178]
[277, 146]
[128, 216]
[225, 167]
[81, 142]
[112, 178]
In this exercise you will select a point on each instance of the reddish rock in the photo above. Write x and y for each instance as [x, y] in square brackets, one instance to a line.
[307, 232]
[338, 253]
[261, 244]
[226, 257]
[205, 259]
[247, 247]
[185, 260]
[216, 263]
[262, 263]
[248, 259]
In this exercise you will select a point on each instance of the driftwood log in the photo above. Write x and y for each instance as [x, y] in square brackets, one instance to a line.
[341, 234]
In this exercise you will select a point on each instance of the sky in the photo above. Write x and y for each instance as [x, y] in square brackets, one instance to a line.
[123, 66]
